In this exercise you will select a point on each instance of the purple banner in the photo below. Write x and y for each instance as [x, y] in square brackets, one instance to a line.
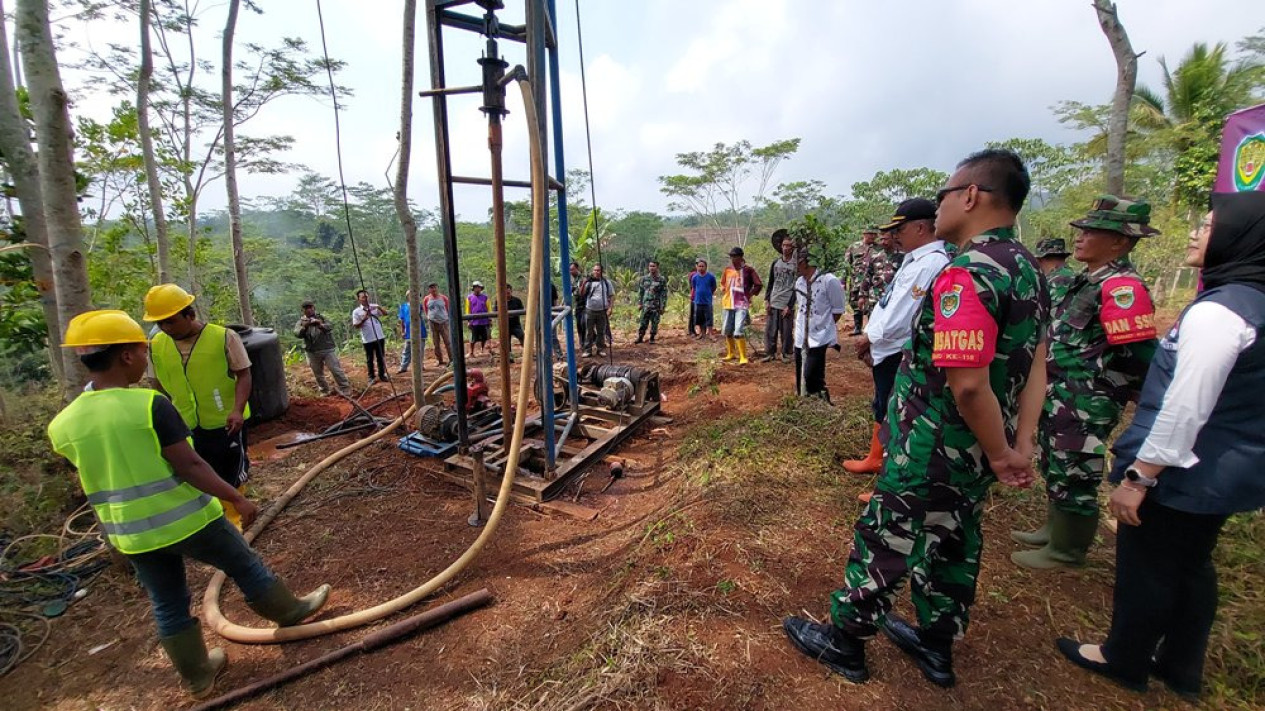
[1242, 164]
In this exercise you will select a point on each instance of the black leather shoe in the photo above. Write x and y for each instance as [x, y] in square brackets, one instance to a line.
[935, 659]
[1072, 650]
[838, 650]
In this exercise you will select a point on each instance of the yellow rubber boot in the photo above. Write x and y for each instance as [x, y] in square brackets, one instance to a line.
[742, 350]
[729, 348]
[872, 463]
[230, 511]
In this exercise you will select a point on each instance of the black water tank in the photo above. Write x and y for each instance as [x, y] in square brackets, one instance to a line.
[269, 398]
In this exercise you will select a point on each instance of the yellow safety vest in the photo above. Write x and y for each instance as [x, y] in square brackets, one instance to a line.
[109, 436]
[201, 388]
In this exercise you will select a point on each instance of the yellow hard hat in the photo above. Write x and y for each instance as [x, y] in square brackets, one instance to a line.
[103, 328]
[164, 301]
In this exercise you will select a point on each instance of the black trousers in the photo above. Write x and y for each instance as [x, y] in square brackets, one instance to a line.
[813, 368]
[778, 325]
[226, 453]
[1166, 595]
[884, 380]
[693, 330]
[376, 350]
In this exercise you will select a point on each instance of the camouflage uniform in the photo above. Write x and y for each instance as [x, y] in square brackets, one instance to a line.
[856, 260]
[1059, 278]
[925, 516]
[882, 270]
[652, 299]
[1102, 337]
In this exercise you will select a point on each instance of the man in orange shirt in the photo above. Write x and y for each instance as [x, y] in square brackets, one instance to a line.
[739, 284]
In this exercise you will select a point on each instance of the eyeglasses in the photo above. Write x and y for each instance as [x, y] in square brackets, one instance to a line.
[944, 192]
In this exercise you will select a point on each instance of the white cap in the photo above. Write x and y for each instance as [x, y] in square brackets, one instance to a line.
[478, 284]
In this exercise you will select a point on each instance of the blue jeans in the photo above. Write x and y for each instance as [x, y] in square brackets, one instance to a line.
[220, 545]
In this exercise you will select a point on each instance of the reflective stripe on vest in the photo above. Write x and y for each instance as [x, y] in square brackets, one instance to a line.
[109, 436]
[201, 388]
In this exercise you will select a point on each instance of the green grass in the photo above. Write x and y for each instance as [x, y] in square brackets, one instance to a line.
[37, 488]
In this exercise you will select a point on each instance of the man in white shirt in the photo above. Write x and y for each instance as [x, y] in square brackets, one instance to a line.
[365, 319]
[891, 321]
[816, 331]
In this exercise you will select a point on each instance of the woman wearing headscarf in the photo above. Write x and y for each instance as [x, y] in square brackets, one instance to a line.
[1190, 459]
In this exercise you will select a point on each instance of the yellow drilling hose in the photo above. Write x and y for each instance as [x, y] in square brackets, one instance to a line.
[274, 635]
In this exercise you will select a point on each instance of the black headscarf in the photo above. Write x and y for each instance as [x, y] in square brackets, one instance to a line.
[1236, 248]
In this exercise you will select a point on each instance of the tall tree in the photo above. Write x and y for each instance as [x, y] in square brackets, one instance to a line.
[189, 114]
[1188, 117]
[230, 167]
[49, 107]
[715, 188]
[143, 82]
[15, 147]
[402, 209]
[1126, 80]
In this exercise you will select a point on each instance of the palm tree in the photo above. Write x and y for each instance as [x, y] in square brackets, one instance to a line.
[1187, 119]
[1205, 80]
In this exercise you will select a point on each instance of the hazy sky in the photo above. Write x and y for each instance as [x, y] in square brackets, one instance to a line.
[868, 86]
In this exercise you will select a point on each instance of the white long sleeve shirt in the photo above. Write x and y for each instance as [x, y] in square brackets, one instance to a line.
[1210, 338]
[828, 301]
[892, 321]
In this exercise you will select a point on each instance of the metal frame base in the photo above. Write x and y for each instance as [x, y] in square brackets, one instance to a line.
[603, 429]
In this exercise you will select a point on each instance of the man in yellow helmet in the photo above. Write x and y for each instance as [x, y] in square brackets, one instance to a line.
[156, 498]
[205, 371]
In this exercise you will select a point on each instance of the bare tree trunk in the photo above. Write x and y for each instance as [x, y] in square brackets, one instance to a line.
[15, 145]
[49, 104]
[1126, 80]
[230, 169]
[402, 209]
[147, 147]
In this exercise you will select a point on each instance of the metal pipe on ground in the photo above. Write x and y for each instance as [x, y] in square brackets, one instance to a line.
[430, 618]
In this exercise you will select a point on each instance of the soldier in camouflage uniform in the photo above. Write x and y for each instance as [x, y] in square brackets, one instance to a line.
[1052, 255]
[652, 299]
[1101, 339]
[856, 263]
[883, 265]
[976, 342]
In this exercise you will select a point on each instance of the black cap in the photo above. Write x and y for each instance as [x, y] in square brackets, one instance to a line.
[910, 210]
[307, 304]
[736, 252]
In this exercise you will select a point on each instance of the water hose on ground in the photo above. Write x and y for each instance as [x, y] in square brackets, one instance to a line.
[421, 621]
[274, 635]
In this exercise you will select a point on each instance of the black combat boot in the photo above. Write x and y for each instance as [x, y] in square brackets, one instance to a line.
[826, 643]
[934, 654]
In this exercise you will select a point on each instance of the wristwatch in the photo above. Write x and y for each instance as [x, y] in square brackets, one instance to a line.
[1139, 478]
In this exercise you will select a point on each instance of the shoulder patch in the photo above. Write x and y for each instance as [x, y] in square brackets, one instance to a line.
[964, 333]
[1127, 314]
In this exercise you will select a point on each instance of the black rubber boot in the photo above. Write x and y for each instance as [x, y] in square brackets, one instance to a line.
[934, 655]
[826, 643]
[856, 324]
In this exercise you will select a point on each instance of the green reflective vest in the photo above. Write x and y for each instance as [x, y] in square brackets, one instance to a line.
[201, 388]
[109, 436]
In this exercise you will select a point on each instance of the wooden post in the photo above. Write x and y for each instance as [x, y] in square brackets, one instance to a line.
[480, 514]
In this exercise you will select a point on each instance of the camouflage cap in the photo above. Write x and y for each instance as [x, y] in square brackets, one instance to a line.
[1051, 247]
[870, 230]
[1112, 214]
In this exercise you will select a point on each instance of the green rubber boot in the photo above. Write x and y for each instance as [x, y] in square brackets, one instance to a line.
[1039, 537]
[197, 668]
[281, 606]
[1070, 538]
